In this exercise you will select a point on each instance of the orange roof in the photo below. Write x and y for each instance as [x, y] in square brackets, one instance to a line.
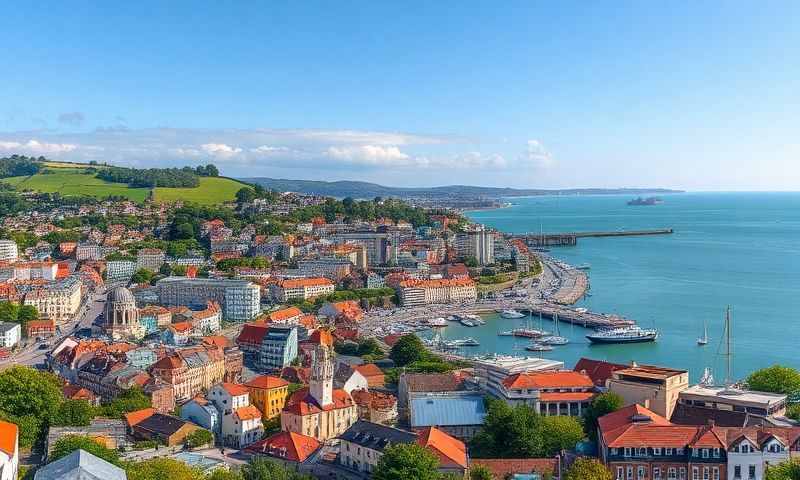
[134, 418]
[308, 321]
[181, 326]
[507, 467]
[302, 403]
[266, 382]
[542, 380]
[616, 424]
[451, 451]
[321, 336]
[74, 392]
[304, 282]
[250, 412]
[252, 333]
[368, 370]
[566, 396]
[217, 340]
[286, 445]
[235, 389]
[9, 434]
[285, 314]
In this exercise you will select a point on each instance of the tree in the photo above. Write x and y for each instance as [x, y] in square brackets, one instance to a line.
[262, 469]
[520, 432]
[162, 468]
[199, 437]
[793, 412]
[245, 195]
[184, 231]
[29, 397]
[73, 413]
[409, 348]
[130, 400]
[788, 470]
[271, 425]
[602, 404]
[27, 313]
[165, 269]
[775, 379]
[480, 472]
[471, 262]
[406, 461]
[69, 443]
[142, 276]
[222, 474]
[588, 469]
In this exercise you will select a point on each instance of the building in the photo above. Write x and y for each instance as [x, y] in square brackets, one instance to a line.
[240, 299]
[241, 422]
[268, 394]
[120, 270]
[656, 388]
[40, 328]
[59, 301]
[727, 406]
[362, 445]
[375, 281]
[149, 259]
[319, 410]
[599, 371]
[9, 449]
[451, 452]
[166, 429]
[80, 464]
[550, 393]
[8, 251]
[122, 315]
[374, 375]
[412, 385]
[191, 370]
[301, 288]
[520, 468]
[278, 348]
[751, 450]
[459, 414]
[637, 443]
[154, 315]
[200, 412]
[10, 334]
[416, 292]
[375, 244]
[88, 251]
[346, 311]
[287, 448]
[250, 339]
[477, 243]
[333, 268]
[491, 371]
[348, 379]
[376, 407]
[110, 433]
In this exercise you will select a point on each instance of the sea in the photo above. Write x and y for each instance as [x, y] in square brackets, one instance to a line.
[728, 249]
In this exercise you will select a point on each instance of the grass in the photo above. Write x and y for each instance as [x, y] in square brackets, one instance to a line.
[70, 181]
[212, 190]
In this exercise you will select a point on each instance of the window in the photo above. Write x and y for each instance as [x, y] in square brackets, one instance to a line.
[695, 452]
[705, 453]
[705, 474]
[627, 451]
[715, 472]
[667, 451]
[620, 473]
[640, 473]
[683, 473]
[656, 473]
[642, 452]
[679, 451]
[716, 453]
[737, 471]
[630, 473]
[751, 473]
[672, 473]
[695, 473]
[613, 451]
[656, 451]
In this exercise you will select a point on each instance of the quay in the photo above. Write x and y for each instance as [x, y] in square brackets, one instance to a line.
[585, 319]
[570, 239]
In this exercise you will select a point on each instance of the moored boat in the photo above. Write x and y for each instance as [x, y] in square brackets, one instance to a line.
[632, 334]
[511, 314]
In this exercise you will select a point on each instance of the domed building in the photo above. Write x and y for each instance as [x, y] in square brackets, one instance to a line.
[122, 316]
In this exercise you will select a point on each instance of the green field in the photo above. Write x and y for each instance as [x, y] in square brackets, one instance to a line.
[212, 190]
[70, 181]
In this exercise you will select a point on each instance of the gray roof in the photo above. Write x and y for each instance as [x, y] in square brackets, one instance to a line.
[80, 465]
[6, 326]
[375, 436]
[444, 411]
[121, 295]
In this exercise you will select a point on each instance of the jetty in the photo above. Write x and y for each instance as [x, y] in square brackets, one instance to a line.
[570, 239]
[585, 319]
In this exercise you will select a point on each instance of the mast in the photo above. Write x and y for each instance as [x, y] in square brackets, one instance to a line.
[728, 352]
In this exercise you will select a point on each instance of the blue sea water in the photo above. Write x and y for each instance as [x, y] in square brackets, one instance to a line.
[737, 249]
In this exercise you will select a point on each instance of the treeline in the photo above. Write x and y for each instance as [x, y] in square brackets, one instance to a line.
[19, 165]
[367, 210]
[186, 177]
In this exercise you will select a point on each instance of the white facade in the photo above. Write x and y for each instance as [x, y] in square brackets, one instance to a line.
[241, 422]
[478, 243]
[10, 334]
[240, 299]
[746, 460]
[120, 269]
[8, 250]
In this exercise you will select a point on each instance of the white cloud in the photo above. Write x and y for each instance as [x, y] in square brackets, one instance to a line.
[36, 147]
[537, 155]
[268, 150]
[370, 155]
[220, 150]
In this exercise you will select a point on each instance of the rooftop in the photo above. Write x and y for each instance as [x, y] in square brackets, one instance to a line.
[731, 395]
[447, 410]
[650, 372]
[376, 436]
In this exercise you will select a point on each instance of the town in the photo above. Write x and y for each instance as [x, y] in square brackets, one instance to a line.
[276, 336]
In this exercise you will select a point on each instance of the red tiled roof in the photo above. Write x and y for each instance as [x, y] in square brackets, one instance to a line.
[285, 314]
[235, 389]
[368, 370]
[249, 412]
[133, 418]
[302, 403]
[267, 382]
[598, 370]
[75, 392]
[451, 451]
[506, 467]
[321, 336]
[181, 326]
[616, 423]
[443, 282]
[304, 282]
[252, 333]
[9, 434]
[217, 340]
[286, 445]
[540, 380]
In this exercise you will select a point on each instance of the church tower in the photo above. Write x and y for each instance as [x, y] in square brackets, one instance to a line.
[321, 381]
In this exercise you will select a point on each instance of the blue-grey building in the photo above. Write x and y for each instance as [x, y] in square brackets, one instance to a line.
[200, 412]
[460, 414]
[80, 464]
[141, 357]
[279, 347]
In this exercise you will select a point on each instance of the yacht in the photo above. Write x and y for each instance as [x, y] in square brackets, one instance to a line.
[704, 339]
[553, 340]
[467, 342]
[506, 333]
[437, 322]
[538, 347]
[467, 323]
[631, 334]
[511, 314]
[527, 332]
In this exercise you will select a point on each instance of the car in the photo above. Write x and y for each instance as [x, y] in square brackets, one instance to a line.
[44, 346]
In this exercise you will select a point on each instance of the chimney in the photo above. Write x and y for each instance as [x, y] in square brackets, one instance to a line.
[711, 424]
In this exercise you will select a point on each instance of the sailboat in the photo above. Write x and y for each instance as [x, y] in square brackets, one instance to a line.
[556, 339]
[704, 339]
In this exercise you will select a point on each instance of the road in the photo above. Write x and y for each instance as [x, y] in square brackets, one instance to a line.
[30, 353]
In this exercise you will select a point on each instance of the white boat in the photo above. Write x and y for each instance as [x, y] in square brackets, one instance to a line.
[437, 322]
[538, 347]
[581, 310]
[553, 340]
[467, 342]
[506, 333]
[704, 339]
[467, 323]
[511, 314]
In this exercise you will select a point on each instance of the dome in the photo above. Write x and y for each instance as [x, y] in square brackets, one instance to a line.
[121, 295]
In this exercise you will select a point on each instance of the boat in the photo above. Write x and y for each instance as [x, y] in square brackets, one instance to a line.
[585, 266]
[639, 201]
[704, 339]
[538, 347]
[506, 333]
[631, 334]
[437, 322]
[556, 339]
[467, 342]
[707, 380]
[467, 323]
[511, 314]
[527, 332]
[581, 309]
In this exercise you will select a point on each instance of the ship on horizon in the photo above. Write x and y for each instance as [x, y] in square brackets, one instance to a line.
[639, 201]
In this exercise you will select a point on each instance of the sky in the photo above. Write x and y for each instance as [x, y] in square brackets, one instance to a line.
[691, 95]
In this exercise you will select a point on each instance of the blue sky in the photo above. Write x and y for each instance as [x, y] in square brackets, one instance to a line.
[695, 95]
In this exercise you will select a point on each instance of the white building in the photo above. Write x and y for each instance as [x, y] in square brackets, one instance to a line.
[58, 301]
[88, 251]
[449, 290]
[10, 334]
[361, 446]
[751, 450]
[117, 270]
[240, 299]
[150, 259]
[491, 371]
[301, 288]
[477, 243]
[241, 422]
[8, 250]
[9, 451]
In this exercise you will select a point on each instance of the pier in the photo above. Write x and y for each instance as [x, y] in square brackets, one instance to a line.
[570, 315]
[570, 239]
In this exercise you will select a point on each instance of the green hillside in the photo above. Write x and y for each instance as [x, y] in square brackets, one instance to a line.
[75, 179]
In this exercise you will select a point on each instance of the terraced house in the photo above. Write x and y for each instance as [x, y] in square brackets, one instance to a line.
[191, 370]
